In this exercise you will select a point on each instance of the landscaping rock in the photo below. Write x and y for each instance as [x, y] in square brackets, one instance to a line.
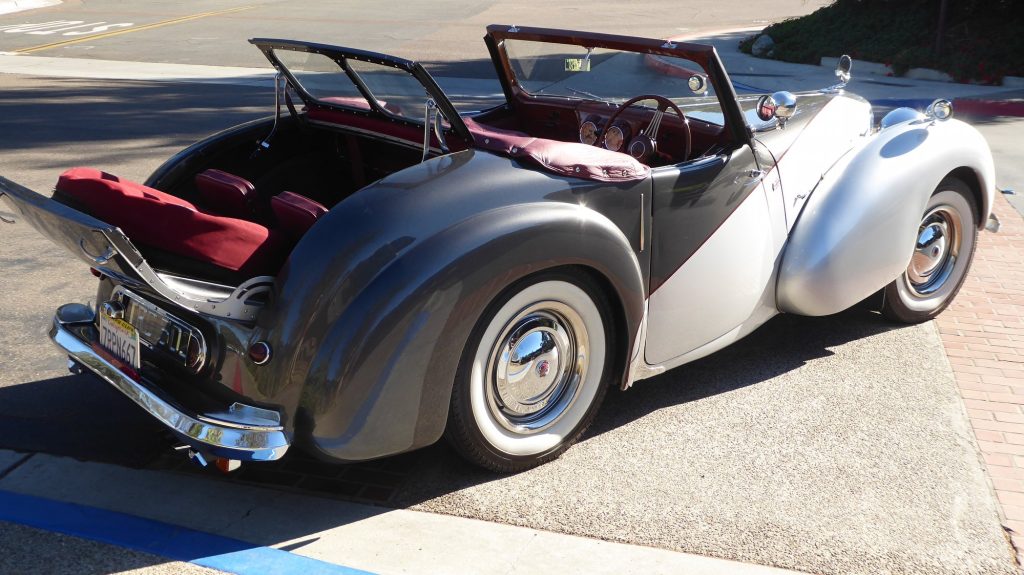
[928, 74]
[763, 46]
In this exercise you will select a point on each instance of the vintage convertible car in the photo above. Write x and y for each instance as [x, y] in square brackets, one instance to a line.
[372, 268]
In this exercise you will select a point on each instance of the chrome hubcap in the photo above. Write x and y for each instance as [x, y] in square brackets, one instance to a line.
[536, 366]
[938, 244]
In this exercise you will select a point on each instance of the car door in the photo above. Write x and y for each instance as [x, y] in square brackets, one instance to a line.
[716, 237]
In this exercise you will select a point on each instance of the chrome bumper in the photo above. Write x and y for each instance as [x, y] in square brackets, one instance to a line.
[246, 437]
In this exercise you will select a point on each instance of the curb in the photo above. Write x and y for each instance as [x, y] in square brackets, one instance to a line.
[13, 6]
[162, 539]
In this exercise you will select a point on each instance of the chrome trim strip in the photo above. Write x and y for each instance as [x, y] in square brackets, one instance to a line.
[233, 440]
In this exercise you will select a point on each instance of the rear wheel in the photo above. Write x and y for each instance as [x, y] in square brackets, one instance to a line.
[946, 240]
[533, 373]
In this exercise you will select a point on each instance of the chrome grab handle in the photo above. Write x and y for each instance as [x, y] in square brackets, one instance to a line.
[749, 177]
[98, 260]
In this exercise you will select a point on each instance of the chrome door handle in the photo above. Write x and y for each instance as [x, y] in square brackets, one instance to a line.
[101, 259]
[749, 177]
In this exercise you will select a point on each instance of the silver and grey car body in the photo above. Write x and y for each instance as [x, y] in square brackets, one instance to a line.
[373, 308]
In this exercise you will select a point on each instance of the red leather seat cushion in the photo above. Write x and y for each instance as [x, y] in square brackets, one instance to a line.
[156, 219]
[226, 194]
[565, 158]
[295, 214]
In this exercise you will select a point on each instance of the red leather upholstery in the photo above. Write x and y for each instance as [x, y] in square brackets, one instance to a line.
[153, 218]
[565, 158]
[226, 194]
[295, 214]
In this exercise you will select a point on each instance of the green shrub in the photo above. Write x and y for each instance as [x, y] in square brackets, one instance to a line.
[982, 42]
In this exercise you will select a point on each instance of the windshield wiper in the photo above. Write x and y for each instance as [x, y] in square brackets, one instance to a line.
[584, 93]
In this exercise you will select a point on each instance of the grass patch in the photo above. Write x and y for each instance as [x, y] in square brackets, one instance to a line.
[983, 42]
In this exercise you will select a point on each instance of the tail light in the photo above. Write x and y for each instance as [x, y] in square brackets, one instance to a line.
[195, 355]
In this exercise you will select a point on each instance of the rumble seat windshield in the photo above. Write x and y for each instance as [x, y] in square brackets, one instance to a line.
[394, 90]
[614, 76]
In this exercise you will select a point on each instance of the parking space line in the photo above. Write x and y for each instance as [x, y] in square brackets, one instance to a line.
[130, 30]
[163, 539]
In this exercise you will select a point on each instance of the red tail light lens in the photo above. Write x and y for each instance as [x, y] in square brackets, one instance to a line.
[259, 352]
[196, 355]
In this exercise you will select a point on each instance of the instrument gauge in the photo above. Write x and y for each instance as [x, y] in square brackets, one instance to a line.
[589, 133]
[616, 137]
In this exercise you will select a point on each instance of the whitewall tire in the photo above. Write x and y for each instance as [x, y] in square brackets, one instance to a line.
[946, 240]
[532, 374]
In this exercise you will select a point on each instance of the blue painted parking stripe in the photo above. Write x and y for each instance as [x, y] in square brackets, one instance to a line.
[164, 539]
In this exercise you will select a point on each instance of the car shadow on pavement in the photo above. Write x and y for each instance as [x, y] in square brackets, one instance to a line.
[784, 344]
[80, 417]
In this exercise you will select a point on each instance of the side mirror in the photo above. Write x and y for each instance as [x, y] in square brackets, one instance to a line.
[843, 68]
[940, 110]
[780, 105]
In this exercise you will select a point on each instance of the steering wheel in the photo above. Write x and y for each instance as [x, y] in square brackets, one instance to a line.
[643, 145]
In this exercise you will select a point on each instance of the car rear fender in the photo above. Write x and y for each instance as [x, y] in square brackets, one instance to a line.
[858, 229]
[381, 377]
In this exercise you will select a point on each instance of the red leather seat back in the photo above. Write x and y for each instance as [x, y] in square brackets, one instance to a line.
[295, 214]
[159, 220]
[226, 194]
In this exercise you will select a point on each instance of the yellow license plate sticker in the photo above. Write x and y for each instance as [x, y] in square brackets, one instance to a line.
[121, 339]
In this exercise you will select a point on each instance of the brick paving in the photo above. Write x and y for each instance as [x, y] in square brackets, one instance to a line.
[983, 333]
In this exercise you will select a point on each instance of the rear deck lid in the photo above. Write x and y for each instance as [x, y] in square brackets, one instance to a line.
[105, 248]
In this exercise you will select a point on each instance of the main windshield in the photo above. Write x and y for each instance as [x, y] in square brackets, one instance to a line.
[573, 71]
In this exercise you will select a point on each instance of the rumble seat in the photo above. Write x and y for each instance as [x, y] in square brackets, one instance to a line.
[227, 194]
[151, 218]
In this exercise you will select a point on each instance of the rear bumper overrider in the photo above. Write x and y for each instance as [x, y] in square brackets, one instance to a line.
[240, 432]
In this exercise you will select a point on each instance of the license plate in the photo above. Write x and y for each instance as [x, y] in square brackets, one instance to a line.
[120, 339]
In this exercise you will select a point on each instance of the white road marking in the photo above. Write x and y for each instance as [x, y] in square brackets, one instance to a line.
[79, 24]
[100, 29]
[57, 26]
[18, 28]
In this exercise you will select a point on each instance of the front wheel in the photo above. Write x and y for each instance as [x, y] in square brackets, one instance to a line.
[946, 240]
[533, 373]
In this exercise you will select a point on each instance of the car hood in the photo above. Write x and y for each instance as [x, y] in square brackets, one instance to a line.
[809, 108]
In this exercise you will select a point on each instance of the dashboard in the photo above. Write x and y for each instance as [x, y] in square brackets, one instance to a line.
[626, 134]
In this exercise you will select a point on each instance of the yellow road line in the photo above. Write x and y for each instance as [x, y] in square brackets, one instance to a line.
[129, 30]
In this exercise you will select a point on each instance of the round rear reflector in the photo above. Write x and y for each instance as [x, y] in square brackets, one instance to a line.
[259, 352]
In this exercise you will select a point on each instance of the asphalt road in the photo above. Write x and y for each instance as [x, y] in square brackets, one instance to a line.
[835, 445]
[431, 31]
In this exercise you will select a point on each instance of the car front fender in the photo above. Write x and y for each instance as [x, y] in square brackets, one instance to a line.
[381, 377]
[858, 230]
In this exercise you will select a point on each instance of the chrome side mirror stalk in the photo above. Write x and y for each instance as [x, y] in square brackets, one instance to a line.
[843, 67]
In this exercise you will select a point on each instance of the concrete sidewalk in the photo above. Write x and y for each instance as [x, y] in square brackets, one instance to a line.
[357, 536]
[12, 6]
